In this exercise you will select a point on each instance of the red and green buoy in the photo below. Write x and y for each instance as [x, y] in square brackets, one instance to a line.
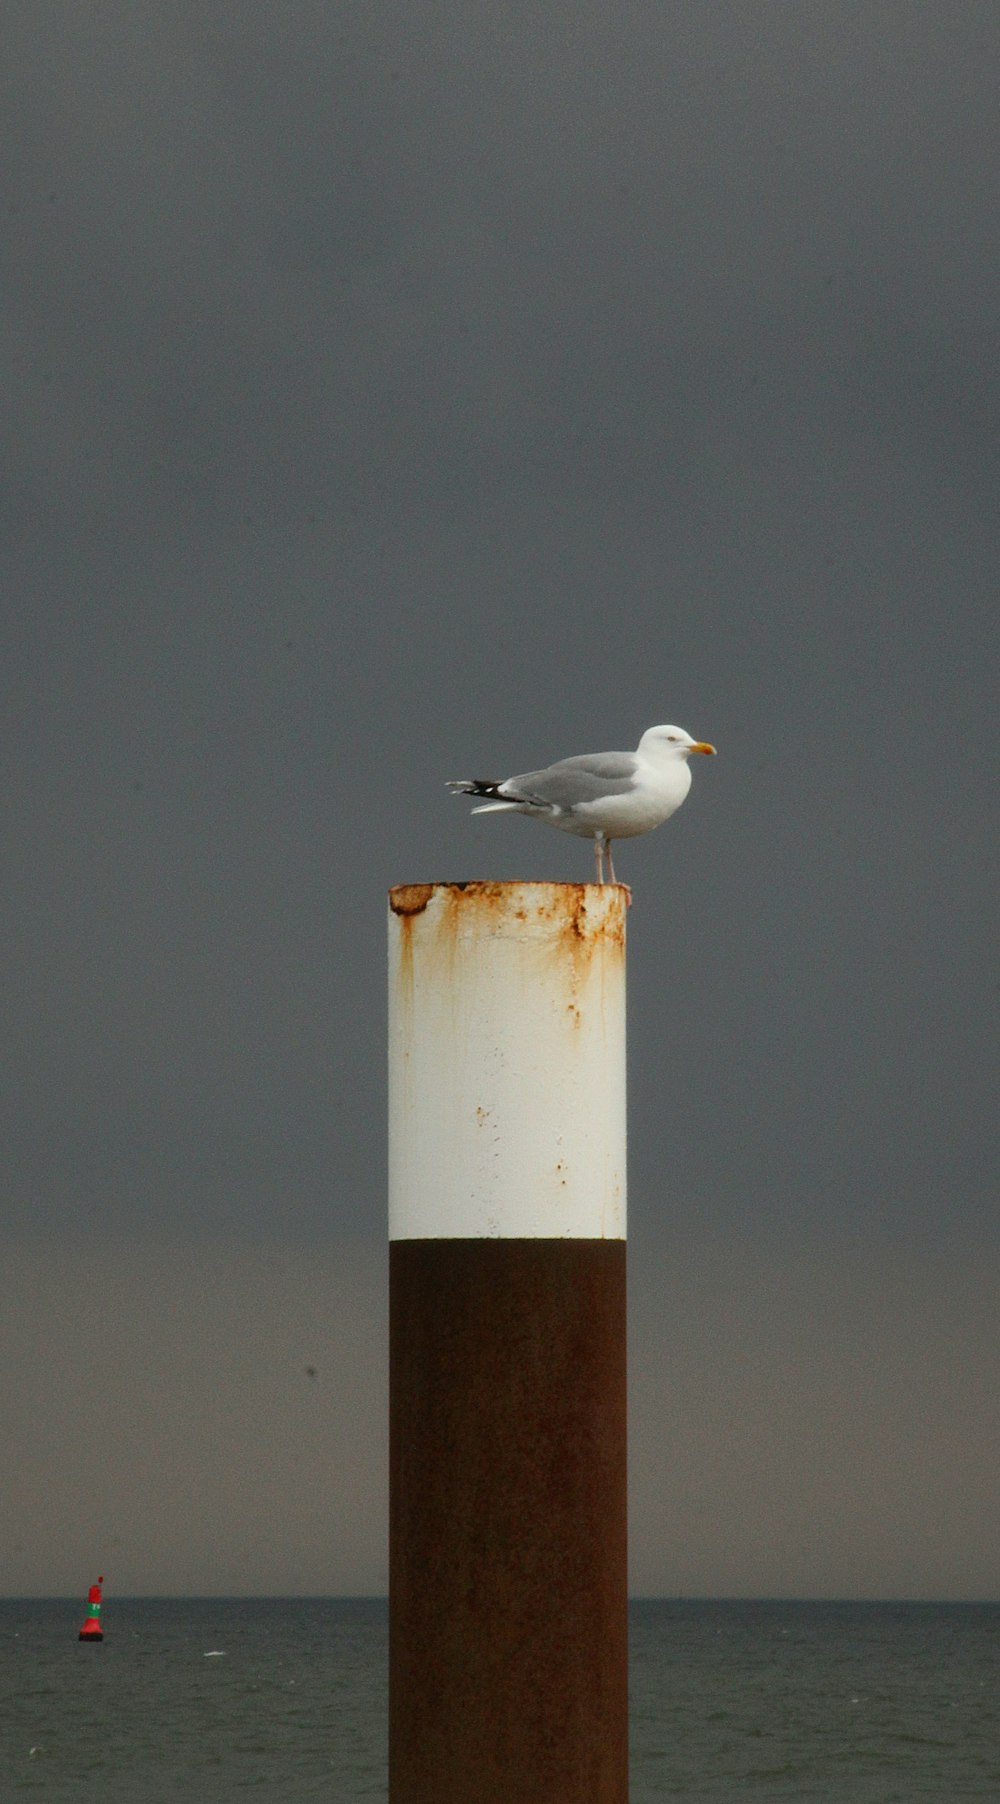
[92, 1630]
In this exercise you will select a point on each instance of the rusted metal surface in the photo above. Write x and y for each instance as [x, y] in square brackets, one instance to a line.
[507, 1060]
[508, 1649]
[579, 908]
[410, 898]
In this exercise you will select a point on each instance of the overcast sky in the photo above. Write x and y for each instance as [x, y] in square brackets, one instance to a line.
[400, 392]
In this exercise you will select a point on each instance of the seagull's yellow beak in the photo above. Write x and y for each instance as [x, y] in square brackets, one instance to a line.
[702, 745]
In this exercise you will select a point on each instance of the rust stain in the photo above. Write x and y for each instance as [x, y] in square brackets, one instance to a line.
[407, 900]
[410, 898]
[568, 904]
[577, 923]
[585, 926]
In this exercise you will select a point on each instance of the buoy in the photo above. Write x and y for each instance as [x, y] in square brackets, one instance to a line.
[92, 1630]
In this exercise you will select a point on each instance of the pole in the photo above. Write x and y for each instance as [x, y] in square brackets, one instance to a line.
[508, 1585]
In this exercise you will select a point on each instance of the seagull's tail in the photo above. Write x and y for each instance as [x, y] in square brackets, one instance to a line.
[481, 786]
[475, 786]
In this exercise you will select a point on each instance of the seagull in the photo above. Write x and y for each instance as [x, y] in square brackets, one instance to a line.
[601, 795]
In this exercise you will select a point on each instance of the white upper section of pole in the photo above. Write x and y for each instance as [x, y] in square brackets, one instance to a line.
[507, 1061]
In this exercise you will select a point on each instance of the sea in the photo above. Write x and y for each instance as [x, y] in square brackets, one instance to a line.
[217, 1700]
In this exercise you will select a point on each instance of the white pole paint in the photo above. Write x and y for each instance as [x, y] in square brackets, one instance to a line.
[507, 1061]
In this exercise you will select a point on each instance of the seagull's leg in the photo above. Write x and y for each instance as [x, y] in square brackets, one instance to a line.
[624, 886]
[599, 855]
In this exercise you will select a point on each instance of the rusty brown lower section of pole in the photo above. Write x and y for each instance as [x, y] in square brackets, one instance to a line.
[508, 1583]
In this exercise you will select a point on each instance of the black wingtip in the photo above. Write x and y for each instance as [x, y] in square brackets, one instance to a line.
[477, 786]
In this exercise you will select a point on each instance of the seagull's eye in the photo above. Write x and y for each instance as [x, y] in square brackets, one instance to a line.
[672, 738]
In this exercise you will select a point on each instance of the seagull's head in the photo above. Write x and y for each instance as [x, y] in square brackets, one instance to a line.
[672, 742]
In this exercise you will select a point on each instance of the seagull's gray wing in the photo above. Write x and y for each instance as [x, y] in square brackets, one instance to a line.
[574, 781]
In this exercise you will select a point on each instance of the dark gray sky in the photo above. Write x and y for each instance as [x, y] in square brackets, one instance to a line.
[393, 393]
